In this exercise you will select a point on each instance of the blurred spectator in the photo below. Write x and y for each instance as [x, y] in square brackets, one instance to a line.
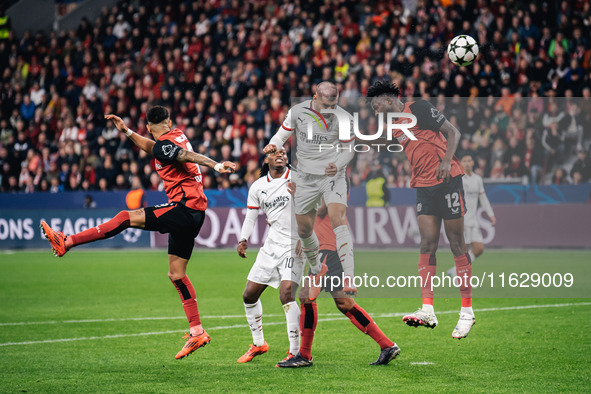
[559, 177]
[582, 167]
[230, 74]
[89, 202]
[553, 143]
[375, 186]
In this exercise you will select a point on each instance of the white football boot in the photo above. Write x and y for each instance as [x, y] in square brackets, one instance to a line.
[421, 318]
[464, 325]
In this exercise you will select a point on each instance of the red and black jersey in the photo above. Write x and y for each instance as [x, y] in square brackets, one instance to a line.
[182, 181]
[425, 154]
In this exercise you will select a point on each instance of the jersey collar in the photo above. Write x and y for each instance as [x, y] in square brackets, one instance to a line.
[284, 176]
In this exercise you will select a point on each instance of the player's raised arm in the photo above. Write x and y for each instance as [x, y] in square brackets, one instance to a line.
[280, 138]
[143, 143]
[453, 138]
[185, 156]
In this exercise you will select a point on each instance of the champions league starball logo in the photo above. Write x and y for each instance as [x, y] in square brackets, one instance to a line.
[132, 235]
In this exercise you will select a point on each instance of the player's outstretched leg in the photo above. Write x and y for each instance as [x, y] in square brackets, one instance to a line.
[363, 321]
[56, 238]
[425, 316]
[61, 243]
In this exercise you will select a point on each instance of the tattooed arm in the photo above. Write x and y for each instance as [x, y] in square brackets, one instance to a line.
[185, 156]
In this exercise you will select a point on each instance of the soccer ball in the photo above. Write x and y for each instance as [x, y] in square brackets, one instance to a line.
[462, 50]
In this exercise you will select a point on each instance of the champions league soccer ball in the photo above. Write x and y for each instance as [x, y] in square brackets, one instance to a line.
[462, 50]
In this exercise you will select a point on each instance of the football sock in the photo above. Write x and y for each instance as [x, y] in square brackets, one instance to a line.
[471, 254]
[467, 310]
[254, 317]
[292, 317]
[308, 321]
[428, 308]
[427, 269]
[365, 323]
[464, 268]
[310, 247]
[187, 293]
[345, 249]
[106, 230]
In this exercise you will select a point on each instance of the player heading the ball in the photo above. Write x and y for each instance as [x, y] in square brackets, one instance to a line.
[437, 176]
[320, 174]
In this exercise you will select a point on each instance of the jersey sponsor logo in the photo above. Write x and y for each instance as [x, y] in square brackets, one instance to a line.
[316, 139]
[277, 202]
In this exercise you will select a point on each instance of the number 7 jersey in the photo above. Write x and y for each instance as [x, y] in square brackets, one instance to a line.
[182, 181]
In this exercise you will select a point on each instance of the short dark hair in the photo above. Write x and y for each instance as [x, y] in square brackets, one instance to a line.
[157, 114]
[380, 88]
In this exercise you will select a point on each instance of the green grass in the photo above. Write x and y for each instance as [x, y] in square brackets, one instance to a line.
[541, 349]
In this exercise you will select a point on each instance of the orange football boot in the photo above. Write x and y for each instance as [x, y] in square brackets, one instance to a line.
[56, 238]
[193, 343]
[253, 351]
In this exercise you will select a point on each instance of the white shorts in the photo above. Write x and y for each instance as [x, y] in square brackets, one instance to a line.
[472, 234]
[275, 263]
[311, 188]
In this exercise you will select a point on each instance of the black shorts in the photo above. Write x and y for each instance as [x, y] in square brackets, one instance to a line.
[181, 223]
[333, 262]
[445, 200]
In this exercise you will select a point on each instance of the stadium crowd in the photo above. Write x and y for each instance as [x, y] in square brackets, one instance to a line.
[229, 69]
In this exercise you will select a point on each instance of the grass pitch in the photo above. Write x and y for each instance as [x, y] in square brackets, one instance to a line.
[110, 321]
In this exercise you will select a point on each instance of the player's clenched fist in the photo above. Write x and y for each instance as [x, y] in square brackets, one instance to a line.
[225, 167]
[271, 148]
[242, 246]
[331, 169]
